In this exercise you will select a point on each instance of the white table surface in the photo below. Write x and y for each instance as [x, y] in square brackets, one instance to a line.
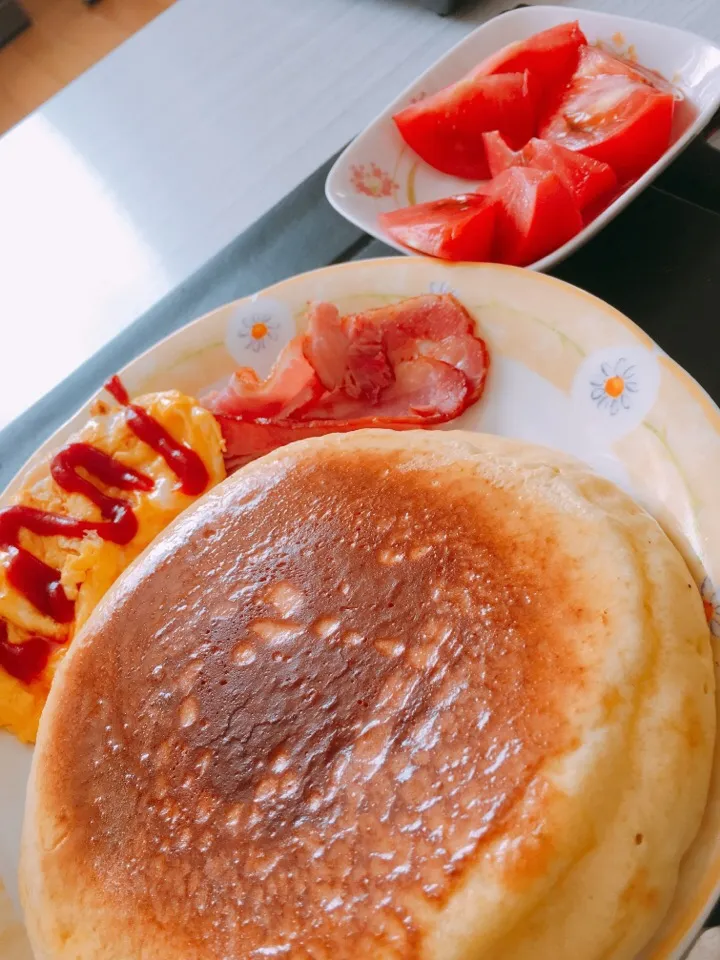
[137, 173]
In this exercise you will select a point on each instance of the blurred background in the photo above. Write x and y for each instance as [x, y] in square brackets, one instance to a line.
[45, 44]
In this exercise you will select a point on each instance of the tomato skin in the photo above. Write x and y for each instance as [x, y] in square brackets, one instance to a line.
[612, 113]
[587, 179]
[551, 56]
[536, 214]
[446, 128]
[456, 228]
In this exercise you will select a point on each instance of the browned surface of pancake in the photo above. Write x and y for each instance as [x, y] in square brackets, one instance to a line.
[311, 718]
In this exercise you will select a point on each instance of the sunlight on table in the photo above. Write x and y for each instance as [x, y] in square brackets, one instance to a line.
[65, 225]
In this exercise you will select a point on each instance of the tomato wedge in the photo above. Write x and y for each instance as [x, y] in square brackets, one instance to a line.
[446, 129]
[456, 228]
[587, 180]
[536, 214]
[551, 56]
[612, 113]
[596, 62]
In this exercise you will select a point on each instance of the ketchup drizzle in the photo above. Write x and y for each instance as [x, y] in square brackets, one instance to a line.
[36, 580]
[40, 583]
[121, 525]
[184, 462]
[25, 661]
[116, 388]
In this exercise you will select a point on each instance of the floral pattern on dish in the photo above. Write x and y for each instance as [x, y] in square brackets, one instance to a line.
[372, 181]
[711, 602]
[256, 332]
[614, 387]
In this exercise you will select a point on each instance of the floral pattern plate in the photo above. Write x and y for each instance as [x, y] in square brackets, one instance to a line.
[567, 371]
[378, 172]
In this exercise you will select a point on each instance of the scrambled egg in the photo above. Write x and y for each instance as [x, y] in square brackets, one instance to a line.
[90, 566]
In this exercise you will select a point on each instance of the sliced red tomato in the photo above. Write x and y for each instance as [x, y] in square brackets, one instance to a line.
[456, 228]
[446, 129]
[587, 180]
[613, 113]
[551, 56]
[602, 203]
[500, 155]
[596, 62]
[536, 214]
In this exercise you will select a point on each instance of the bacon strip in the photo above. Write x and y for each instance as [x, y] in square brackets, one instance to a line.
[413, 364]
[291, 386]
[247, 440]
[423, 389]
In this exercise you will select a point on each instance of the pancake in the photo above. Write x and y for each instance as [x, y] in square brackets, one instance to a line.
[421, 695]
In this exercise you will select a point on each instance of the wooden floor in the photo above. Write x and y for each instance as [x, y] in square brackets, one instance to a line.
[65, 38]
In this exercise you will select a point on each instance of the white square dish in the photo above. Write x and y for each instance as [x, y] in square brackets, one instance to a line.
[378, 172]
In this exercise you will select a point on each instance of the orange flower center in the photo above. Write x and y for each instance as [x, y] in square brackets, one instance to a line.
[258, 331]
[614, 386]
[709, 610]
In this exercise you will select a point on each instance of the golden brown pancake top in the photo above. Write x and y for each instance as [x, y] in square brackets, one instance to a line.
[310, 712]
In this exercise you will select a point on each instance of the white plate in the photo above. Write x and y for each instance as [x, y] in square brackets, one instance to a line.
[553, 347]
[378, 172]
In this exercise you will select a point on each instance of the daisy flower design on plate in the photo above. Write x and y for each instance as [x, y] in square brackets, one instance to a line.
[371, 180]
[711, 602]
[613, 388]
[257, 330]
